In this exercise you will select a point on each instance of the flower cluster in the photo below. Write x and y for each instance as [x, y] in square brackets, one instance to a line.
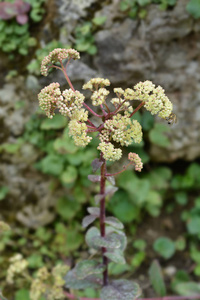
[98, 97]
[109, 152]
[70, 105]
[55, 56]
[155, 99]
[78, 131]
[49, 97]
[48, 284]
[96, 83]
[17, 266]
[136, 160]
[124, 130]
[123, 106]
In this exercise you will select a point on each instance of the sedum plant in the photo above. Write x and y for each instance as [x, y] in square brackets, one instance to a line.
[115, 127]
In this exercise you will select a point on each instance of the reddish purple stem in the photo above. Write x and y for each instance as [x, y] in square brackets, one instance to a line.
[137, 108]
[102, 218]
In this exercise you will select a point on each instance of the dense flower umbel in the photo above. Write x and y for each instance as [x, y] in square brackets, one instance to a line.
[17, 266]
[124, 130]
[57, 56]
[109, 152]
[70, 105]
[49, 284]
[116, 126]
[155, 99]
[96, 83]
[49, 97]
[78, 131]
[136, 160]
[98, 97]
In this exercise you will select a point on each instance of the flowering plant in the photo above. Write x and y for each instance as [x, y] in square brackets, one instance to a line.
[115, 127]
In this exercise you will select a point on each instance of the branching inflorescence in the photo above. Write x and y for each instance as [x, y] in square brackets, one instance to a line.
[117, 128]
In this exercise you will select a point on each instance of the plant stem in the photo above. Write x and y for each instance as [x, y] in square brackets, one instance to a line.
[67, 78]
[114, 174]
[137, 108]
[102, 218]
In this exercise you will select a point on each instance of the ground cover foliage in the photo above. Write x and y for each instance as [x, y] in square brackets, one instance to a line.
[157, 195]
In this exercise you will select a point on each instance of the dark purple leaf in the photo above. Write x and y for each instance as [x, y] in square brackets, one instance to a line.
[91, 233]
[94, 178]
[22, 19]
[86, 268]
[111, 179]
[110, 241]
[72, 282]
[98, 198]
[114, 222]
[116, 256]
[88, 220]
[96, 164]
[95, 211]
[110, 190]
[121, 289]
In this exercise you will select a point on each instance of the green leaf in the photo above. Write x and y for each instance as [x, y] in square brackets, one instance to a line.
[99, 20]
[147, 120]
[66, 208]
[35, 261]
[188, 288]
[181, 198]
[138, 259]
[124, 210]
[22, 294]
[156, 278]
[92, 50]
[57, 122]
[193, 8]
[65, 145]
[137, 188]
[143, 2]
[3, 192]
[88, 267]
[118, 269]
[193, 225]
[140, 244]
[180, 244]
[157, 135]
[52, 164]
[153, 203]
[120, 289]
[165, 247]
[69, 176]
[116, 256]
[72, 282]
[114, 222]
